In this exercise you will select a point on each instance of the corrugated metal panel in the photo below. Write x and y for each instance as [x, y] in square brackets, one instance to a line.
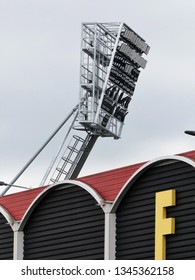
[67, 224]
[6, 240]
[136, 213]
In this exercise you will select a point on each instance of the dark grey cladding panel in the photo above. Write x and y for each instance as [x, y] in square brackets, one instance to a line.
[67, 224]
[6, 239]
[136, 213]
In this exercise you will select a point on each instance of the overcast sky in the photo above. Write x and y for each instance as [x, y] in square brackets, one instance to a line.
[39, 81]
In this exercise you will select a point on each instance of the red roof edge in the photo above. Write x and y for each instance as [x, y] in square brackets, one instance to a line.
[107, 184]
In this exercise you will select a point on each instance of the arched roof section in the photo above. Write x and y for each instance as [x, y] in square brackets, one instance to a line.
[17, 203]
[109, 183]
[142, 170]
[62, 184]
[7, 216]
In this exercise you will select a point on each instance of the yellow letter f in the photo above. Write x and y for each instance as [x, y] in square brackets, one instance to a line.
[163, 225]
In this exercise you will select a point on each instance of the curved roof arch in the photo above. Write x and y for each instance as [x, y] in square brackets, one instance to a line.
[63, 184]
[7, 216]
[141, 171]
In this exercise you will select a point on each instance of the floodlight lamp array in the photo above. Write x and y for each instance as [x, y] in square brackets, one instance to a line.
[111, 58]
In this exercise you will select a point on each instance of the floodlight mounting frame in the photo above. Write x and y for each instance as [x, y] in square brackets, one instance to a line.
[111, 54]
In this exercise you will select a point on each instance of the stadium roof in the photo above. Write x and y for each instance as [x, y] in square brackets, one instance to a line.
[107, 184]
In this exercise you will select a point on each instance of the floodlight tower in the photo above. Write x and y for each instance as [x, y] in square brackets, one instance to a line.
[111, 60]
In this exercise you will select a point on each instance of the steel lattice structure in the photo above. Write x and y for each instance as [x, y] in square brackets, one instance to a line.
[111, 58]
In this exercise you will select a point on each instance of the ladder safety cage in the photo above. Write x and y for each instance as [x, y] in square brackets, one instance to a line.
[73, 158]
[111, 58]
[67, 159]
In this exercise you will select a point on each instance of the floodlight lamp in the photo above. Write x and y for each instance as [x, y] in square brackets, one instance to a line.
[111, 59]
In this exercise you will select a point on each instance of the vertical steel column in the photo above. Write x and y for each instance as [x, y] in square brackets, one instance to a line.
[18, 242]
[109, 233]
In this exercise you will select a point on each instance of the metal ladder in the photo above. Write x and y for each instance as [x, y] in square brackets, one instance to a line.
[73, 158]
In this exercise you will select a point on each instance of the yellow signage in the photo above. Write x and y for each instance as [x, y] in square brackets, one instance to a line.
[163, 225]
